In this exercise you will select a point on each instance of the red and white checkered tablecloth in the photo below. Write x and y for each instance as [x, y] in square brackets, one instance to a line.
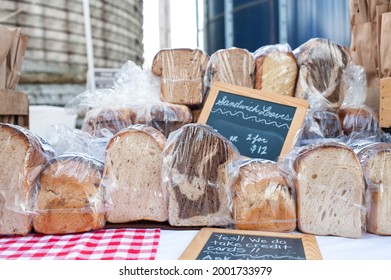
[107, 244]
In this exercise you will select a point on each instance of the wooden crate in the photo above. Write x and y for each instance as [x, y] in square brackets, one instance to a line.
[14, 107]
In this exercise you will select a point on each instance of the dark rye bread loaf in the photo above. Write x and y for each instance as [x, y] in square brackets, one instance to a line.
[376, 163]
[22, 157]
[181, 72]
[321, 65]
[195, 170]
[70, 198]
[330, 189]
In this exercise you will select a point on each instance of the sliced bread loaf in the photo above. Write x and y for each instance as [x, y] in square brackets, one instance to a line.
[70, 198]
[276, 70]
[22, 157]
[181, 71]
[330, 189]
[262, 198]
[133, 175]
[196, 174]
[376, 162]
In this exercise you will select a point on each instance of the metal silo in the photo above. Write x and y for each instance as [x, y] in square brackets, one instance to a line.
[55, 63]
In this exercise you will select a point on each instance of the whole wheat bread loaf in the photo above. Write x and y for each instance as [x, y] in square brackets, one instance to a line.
[133, 175]
[276, 70]
[196, 174]
[376, 162]
[22, 157]
[330, 189]
[70, 198]
[263, 199]
[181, 72]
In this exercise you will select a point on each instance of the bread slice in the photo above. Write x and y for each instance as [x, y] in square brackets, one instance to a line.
[233, 66]
[321, 65]
[182, 71]
[105, 122]
[330, 190]
[262, 198]
[276, 70]
[133, 175]
[22, 157]
[376, 162]
[196, 166]
[70, 198]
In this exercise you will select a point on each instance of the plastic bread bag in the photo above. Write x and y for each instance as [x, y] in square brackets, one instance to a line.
[319, 123]
[233, 66]
[263, 198]
[357, 119]
[330, 189]
[198, 171]
[70, 141]
[70, 196]
[181, 72]
[276, 69]
[22, 157]
[321, 64]
[376, 163]
[133, 175]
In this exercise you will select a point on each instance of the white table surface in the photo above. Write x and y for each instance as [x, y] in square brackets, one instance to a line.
[368, 247]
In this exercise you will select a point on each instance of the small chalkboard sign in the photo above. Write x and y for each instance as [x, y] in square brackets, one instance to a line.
[227, 244]
[260, 125]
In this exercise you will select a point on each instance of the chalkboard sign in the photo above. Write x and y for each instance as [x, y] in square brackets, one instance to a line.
[225, 244]
[260, 125]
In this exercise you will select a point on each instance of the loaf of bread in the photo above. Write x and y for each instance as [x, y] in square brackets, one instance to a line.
[133, 175]
[330, 189]
[165, 117]
[376, 163]
[105, 122]
[262, 198]
[22, 157]
[181, 72]
[233, 66]
[361, 122]
[70, 196]
[276, 69]
[321, 65]
[196, 172]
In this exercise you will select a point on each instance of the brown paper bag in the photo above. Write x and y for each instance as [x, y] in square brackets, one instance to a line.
[385, 46]
[7, 39]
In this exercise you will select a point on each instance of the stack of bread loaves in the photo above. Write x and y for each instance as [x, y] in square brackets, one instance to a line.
[22, 156]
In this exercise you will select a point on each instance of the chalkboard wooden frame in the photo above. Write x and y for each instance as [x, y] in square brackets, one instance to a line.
[300, 106]
[193, 250]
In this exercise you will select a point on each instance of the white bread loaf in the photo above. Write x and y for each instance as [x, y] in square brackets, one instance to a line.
[196, 168]
[321, 65]
[376, 162]
[276, 70]
[181, 71]
[22, 157]
[330, 189]
[234, 66]
[70, 198]
[262, 198]
[133, 175]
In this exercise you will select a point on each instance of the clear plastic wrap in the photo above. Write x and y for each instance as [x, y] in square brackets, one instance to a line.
[22, 157]
[133, 175]
[357, 119]
[321, 65]
[376, 162]
[276, 69]
[70, 197]
[233, 66]
[263, 198]
[181, 72]
[330, 187]
[198, 171]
